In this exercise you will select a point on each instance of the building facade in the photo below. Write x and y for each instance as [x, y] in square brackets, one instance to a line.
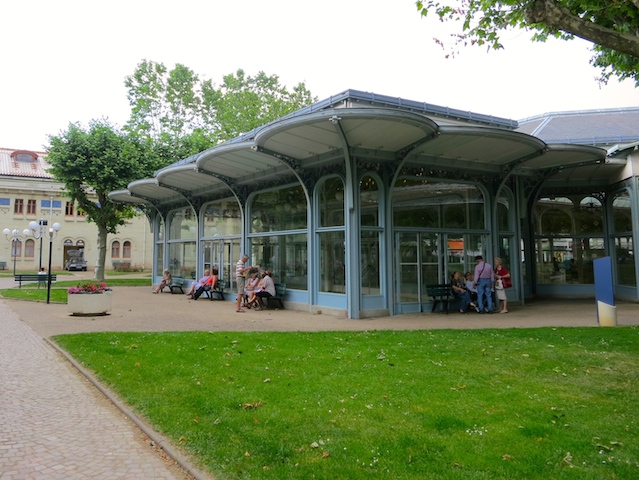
[359, 201]
[29, 194]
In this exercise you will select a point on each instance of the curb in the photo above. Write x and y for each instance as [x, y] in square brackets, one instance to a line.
[157, 438]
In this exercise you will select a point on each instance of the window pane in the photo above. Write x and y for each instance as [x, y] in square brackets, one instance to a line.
[503, 217]
[285, 256]
[183, 259]
[115, 249]
[331, 203]
[182, 225]
[369, 199]
[332, 268]
[29, 248]
[278, 210]
[420, 203]
[126, 249]
[370, 263]
[589, 216]
[626, 274]
[159, 259]
[222, 217]
[622, 214]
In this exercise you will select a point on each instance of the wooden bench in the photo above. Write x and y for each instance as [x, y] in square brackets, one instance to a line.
[177, 284]
[217, 293]
[276, 301]
[440, 294]
[3, 265]
[34, 277]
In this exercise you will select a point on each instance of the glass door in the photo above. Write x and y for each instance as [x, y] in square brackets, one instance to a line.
[417, 264]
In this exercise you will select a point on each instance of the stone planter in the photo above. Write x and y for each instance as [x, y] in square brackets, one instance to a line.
[89, 304]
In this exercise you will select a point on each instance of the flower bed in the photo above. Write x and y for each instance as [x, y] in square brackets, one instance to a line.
[89, 299]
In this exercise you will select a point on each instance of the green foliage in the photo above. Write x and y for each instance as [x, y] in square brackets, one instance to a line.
[180, 115]
[612, 26]
[93, 162]
[500, 404]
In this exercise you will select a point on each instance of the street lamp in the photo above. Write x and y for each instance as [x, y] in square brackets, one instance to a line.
[38, 230]
[15, 237]
[53, 231]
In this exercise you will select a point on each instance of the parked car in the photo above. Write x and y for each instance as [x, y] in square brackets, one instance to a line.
[76, 261]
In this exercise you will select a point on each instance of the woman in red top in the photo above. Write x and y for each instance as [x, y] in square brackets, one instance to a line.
[501, 273]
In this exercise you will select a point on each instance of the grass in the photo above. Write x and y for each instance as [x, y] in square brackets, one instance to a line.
[547, 403]
[30, 291]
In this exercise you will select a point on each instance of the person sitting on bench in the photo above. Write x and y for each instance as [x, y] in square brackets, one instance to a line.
[266, 289]
[209, 284]
[199, 283]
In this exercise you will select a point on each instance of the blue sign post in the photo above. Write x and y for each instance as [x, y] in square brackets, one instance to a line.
[604, 292]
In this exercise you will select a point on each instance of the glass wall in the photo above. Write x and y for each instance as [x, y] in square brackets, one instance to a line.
[439, 228]
[428, 204]
[222, 217]
[569, 236]
[370, 235]
[285, 254]
[331, 236]
[622, 238]
[182, 227]
[221, 233]
[160, 234]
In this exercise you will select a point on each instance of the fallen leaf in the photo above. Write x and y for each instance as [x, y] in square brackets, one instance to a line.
[325, 455]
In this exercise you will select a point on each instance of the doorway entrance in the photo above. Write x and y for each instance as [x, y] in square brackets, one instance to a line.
[430, 258]
[222, 254]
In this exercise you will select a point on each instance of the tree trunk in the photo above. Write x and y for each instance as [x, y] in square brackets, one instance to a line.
[99, 265]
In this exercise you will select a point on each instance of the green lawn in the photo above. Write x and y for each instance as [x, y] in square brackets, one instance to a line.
[481, 404]
[30, 291]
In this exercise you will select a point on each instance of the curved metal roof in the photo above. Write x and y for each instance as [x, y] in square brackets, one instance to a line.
[315, 138]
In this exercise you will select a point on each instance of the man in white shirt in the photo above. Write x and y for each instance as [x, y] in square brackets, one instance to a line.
[240, 268]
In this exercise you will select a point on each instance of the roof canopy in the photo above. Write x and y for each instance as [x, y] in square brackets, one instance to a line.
[369, 127]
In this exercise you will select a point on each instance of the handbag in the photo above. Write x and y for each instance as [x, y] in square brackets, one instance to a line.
[499, 285]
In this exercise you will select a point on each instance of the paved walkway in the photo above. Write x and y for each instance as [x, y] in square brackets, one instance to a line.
[55, 424]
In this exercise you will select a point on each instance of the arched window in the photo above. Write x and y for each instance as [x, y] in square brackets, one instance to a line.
[331, 235]
[369, 193]
[115, 249]
[29, 248]
[126, 249]
[16, 248]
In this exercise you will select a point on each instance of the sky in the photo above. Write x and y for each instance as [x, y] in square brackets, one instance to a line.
[65, 61]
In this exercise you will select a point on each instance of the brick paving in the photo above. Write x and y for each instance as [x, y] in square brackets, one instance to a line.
[55, 425]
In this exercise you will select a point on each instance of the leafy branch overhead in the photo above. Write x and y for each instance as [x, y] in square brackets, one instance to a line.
[612, 26]
[182, 114]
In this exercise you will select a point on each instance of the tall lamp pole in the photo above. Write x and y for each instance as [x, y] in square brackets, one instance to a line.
[14, 236]
[53, 231]
[38, 230]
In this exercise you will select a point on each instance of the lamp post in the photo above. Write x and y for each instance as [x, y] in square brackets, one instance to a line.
[15, 237]
[53, 231]
[38, 230]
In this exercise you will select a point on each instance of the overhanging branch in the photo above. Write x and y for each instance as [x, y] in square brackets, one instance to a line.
[557, 17]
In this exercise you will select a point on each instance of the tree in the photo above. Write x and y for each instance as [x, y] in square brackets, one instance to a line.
[91, 163]
[181, 115]
[611, 25]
